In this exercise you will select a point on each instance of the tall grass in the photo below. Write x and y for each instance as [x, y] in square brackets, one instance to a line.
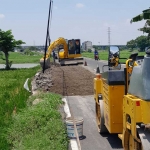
[12, 97]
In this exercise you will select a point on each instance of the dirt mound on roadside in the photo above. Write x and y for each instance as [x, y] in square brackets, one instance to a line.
[74, 79]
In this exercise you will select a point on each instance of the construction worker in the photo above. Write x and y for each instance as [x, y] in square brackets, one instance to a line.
[54, 56]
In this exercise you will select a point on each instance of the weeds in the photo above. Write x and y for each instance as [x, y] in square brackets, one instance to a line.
[12, 97]
[39, 126]
[25, 126]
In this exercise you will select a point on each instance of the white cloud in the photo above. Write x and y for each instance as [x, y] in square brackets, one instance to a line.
[79, 5]
[2, 16]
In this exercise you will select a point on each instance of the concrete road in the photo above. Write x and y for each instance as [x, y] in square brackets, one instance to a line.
[84, 106]
[92, 64]
[19, 65]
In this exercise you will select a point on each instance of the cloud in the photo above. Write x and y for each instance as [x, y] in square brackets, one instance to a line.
[79, 5]
[2, 16]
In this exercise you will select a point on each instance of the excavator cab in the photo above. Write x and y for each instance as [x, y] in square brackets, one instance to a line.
[74, 46]
[73, 53]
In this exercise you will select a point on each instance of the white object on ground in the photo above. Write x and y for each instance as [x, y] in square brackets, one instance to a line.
[74, 145]
[26, 85]
[66, 108]
[73, 142]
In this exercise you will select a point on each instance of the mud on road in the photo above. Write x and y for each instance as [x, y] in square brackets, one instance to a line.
[78, 81]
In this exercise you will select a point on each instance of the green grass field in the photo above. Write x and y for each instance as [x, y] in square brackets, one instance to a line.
[103, 55]
[31, 124]
[39, 126]
[12, 94]
[17, 58]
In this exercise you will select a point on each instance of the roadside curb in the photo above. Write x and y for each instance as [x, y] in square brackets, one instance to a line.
[73, 142]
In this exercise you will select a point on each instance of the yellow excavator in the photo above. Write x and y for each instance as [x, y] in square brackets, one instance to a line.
[122, 100]
[69, 55]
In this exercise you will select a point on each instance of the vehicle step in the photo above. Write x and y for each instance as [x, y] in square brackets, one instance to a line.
[120, 136]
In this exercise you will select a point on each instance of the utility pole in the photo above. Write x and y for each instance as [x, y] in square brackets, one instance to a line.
[109, 36]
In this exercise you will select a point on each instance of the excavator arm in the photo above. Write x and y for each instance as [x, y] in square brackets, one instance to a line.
[59, 41]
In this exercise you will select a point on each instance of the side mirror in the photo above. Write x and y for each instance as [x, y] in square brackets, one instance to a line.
[114, 51]
[113, 58]
[147, 51]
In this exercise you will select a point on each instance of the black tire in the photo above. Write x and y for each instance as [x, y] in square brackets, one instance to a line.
[103, 128]
[99, 110]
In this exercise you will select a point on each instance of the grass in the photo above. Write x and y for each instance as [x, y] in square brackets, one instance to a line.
[12, 94]
[17, 58]
[40, 126]
[27, 127]
[103, 55]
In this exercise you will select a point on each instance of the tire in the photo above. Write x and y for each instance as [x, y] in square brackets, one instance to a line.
[99, 108]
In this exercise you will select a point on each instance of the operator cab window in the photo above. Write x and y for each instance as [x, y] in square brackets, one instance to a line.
[77, 46]
[74, 46]
[71, 47]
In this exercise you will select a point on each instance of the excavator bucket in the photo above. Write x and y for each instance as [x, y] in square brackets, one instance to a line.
[73, 61]
[47, 63]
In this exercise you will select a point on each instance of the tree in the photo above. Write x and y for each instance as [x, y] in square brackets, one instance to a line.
[8, 43]
[89, 50]
[146, 28]
[32, 48]
[27, 51]
[142, 42]
[131, 44]
[146, 16]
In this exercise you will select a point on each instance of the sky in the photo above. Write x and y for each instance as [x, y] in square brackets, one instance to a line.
[87, 20]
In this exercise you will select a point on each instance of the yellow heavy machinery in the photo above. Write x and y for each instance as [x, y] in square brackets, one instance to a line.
[70, 55]
[122, 100]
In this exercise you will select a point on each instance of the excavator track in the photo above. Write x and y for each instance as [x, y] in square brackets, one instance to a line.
[73, 61]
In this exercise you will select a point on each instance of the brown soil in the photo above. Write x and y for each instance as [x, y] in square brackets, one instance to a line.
[66, 80]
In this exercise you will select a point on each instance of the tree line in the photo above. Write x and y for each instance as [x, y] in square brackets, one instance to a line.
[141, 42]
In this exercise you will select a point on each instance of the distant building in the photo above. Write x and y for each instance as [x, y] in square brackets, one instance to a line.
[87, 45]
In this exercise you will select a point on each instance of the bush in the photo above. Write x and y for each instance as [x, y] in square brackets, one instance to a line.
[89, 50]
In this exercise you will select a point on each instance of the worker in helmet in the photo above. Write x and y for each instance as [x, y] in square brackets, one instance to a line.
[96, 56]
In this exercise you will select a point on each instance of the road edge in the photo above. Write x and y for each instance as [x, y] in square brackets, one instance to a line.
[73, 142]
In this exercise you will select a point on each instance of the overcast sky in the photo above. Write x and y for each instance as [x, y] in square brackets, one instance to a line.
[84, 19]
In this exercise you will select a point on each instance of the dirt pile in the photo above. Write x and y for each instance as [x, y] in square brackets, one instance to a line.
[65, 80]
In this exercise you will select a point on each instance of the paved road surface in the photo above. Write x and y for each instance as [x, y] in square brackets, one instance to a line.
[84, 106]
[92, 64]
[19, 65]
